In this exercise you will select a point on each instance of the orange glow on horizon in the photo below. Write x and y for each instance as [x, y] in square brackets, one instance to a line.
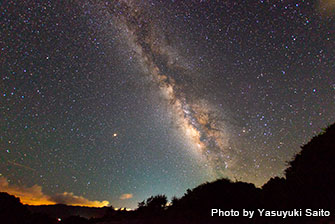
[35, 196]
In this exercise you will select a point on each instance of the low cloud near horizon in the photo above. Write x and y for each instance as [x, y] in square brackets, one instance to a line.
[126, 196]
[35, 196]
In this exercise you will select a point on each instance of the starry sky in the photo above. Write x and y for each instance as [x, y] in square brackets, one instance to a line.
[110, 102]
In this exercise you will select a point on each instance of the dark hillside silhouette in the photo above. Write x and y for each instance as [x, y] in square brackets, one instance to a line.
[196, 204]
[221, 193]
[310, 177]
[312, 172]
[309, 183]
[10, 207]
[64, 211]
[13, 212]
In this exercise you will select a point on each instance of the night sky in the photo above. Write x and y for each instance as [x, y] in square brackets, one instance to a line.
[120, 100]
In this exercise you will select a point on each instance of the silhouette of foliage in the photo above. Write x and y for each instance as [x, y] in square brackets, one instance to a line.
[222, 194]
[311, 175]
[153, 206]
[274, 193]
[156, 202]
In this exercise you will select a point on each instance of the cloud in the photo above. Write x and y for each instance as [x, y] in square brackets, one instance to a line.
[126, 196]
[35, 196]
[28, 195]
[71, 199]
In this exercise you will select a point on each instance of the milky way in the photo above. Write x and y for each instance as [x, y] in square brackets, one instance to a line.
[195, 117]
[114, 101]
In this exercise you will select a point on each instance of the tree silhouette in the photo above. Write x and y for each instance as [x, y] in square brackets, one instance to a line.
[153, 206]
[157, 202]
[311, 175]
